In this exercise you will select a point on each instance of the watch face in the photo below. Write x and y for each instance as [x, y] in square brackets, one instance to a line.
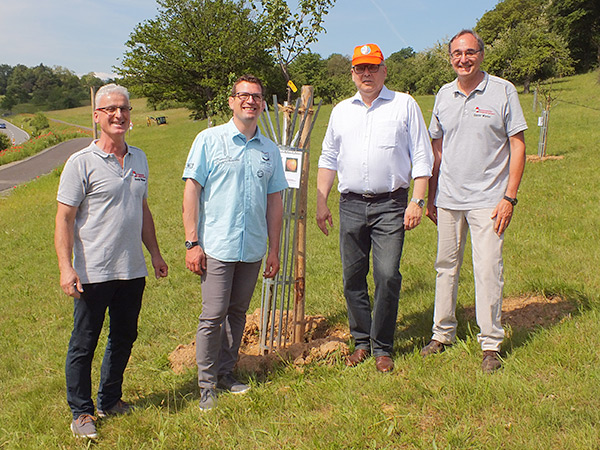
[420, 202]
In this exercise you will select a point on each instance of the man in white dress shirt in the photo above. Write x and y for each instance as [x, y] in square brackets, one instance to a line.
[376, 142]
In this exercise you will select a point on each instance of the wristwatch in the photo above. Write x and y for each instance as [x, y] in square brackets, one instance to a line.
[512, 201]
[190, 244]
[419, 201]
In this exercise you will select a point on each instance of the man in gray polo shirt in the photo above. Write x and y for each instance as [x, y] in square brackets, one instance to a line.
[477, 136]
[102, 219]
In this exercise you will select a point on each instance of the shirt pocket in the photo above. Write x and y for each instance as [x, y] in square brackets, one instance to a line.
[387, 135]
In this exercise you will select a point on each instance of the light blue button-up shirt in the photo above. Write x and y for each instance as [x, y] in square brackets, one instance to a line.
[236, 176]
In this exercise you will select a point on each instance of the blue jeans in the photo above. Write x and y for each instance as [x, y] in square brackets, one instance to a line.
[123, 298]
[376, 226]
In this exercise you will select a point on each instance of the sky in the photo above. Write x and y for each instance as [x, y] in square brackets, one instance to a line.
[89, 35]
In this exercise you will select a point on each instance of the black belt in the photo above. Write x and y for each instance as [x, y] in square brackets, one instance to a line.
[375, 197]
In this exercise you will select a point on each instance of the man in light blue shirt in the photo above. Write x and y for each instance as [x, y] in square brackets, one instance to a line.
[376, 142]
[231, 204]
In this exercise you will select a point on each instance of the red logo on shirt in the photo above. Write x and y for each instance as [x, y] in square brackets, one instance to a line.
[479, 112]
[139, 176]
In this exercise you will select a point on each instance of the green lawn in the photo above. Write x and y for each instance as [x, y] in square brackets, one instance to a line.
[544, 398]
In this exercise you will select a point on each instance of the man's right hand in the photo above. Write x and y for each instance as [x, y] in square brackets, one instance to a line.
[324, 217]
[195, 260]
[70, 283]
[431, 212]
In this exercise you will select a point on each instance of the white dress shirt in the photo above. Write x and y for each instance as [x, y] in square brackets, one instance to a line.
[377, 149]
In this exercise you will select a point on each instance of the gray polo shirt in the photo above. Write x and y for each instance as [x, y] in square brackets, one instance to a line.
[108, 224]
[475, 147]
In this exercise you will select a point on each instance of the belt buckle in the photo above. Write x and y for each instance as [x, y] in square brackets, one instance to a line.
[369, 196]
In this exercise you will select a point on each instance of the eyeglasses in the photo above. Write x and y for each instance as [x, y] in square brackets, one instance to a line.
[245, 96]
[372, 68]
[469, 53]
[112, 109]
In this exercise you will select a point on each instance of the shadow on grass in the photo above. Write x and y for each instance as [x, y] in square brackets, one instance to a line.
[522, 316]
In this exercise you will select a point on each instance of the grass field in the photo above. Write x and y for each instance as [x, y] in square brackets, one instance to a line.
[544, 398]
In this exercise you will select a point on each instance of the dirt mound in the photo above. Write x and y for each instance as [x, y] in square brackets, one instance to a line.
[327, 344]
[531, 311]
[321, 343]
[536, 158]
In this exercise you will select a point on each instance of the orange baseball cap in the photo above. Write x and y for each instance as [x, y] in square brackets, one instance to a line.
[367, 54]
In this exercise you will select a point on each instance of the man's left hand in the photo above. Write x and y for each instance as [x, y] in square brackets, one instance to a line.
[412, 216]
[502, 215]
[271, 265]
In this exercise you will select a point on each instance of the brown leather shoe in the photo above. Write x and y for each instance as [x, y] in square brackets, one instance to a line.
[432, 348]
[357, 357]
[491, 361]
[384, 363]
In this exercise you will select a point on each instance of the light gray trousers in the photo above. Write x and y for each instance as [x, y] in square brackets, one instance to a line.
[487, 268]
[227, 289]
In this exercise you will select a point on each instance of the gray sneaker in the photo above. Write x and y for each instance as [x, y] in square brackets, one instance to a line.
[119, 408]
[84, 427]
[491, 361]
[228, 383]
[433, 348]
[208, 399]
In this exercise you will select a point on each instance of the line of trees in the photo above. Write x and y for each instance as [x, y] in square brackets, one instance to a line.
[193, 49]
[44, 88]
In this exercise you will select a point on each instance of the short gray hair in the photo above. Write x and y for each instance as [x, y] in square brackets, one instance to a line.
[109, 89]
[463, 32]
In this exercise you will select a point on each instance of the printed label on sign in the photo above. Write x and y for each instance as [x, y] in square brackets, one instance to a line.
[292, 166]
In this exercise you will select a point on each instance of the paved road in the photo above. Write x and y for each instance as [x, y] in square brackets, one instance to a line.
[16, 135]
[44, 162]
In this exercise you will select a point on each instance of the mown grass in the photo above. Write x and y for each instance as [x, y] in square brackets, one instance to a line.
[544, 398]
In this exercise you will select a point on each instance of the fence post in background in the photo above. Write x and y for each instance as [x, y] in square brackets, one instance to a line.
[94, 124]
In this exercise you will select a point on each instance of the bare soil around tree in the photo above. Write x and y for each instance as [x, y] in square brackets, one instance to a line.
[326, 344]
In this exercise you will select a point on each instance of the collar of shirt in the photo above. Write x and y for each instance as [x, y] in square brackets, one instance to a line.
[384, 95]
[480, 87]
[234, 132]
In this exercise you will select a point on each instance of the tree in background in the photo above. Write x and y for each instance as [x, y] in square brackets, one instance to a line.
[189, 50]
[289, 35]
[330, 77]
[578, 22]
[508, 14]
[527, 53]
[419, 73]
[4, 142]
[571, 24]
[5, 71]
[42, 88]
[39, 123]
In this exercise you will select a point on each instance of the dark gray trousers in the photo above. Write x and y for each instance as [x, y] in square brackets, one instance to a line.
[227, 289]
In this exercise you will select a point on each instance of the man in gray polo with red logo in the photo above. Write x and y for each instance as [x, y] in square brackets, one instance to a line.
[477, 136]
[102, 220]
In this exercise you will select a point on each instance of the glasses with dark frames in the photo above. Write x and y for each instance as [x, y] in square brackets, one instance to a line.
[245, 96]
[372, 68]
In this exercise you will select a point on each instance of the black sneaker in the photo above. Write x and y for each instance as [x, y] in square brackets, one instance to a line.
[228, 383]
[84, 427]
[119, 408]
